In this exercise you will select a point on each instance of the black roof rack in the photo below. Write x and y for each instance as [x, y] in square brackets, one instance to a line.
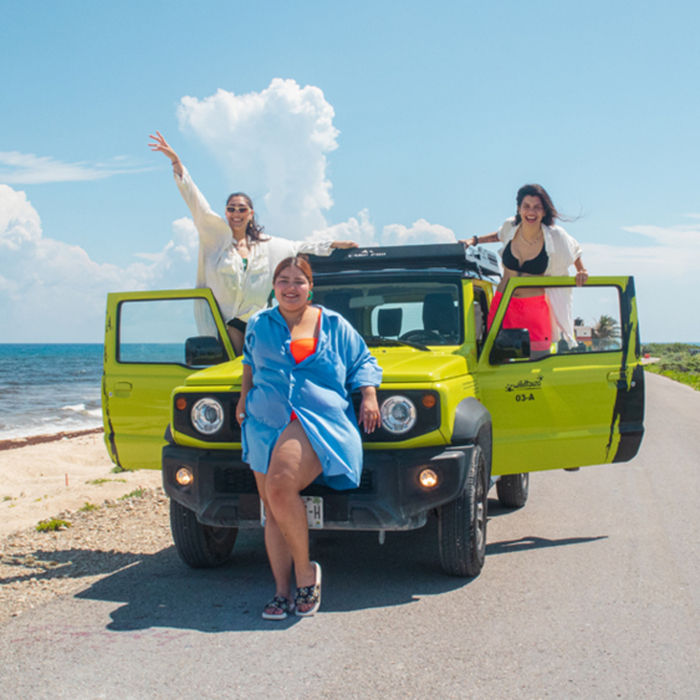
[475, 261]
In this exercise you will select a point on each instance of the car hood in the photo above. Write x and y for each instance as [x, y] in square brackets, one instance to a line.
[225, 374]
[398, 365]
[408, 365]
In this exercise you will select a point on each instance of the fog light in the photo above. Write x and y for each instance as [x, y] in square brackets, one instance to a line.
[184, 476]
[428, 479]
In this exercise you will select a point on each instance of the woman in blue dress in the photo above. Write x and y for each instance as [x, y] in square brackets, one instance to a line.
[301, 362]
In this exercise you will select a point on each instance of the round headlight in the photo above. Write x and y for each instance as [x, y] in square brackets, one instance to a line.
[398, 414]
[207, 416]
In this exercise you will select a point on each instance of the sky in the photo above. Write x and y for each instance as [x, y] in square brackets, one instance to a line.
[383, 122]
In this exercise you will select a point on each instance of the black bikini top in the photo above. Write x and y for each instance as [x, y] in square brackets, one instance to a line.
[536, 266]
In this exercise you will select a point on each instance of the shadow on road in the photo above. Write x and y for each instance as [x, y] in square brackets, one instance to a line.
[495, 510]
[525, 543]
[358, 573]
[158, 590]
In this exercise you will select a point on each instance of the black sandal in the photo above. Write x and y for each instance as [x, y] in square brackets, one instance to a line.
[278, 608]
[309, 595]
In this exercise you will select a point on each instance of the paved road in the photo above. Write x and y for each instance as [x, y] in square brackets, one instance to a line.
[591, 591]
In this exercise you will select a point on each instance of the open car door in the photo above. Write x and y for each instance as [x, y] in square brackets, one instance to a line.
[153, 340]
[573, 404]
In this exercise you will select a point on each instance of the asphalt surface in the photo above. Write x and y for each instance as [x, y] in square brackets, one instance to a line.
[590, 591]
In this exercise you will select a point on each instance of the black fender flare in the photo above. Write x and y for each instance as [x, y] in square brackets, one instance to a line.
[472, 424]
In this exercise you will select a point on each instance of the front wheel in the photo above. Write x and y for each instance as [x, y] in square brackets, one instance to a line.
[199, 546]
[512, 490]
[462, 522]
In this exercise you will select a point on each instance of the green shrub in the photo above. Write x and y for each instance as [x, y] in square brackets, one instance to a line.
[136, 493]
[52, 524]
[690, 378]
[678, 361]
[99, 482]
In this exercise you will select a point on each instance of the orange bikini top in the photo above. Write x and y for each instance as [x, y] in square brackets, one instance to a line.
[301, 348]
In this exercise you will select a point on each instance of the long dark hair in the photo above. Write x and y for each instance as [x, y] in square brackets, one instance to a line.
[550, 211]
[254, 230]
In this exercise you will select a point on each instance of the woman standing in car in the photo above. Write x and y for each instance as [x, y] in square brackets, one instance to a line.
[236, 259]
[533, 245]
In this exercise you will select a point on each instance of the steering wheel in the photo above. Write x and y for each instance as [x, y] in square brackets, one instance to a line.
[422, 336]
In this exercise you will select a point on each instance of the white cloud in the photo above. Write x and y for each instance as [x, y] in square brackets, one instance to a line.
[273, 145]
[19, 222]
[676, 236]
[421, 231]
[676, 254]
[665, 278]
[183, 246]
[29, 169]
[359, 229]
[50, 290]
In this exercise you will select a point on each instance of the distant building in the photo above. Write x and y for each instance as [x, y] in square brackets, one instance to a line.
[584, 334]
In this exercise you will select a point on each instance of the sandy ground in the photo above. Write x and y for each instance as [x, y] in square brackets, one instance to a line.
[40, 481]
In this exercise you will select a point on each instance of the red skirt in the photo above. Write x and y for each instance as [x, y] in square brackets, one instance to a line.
[526, 312]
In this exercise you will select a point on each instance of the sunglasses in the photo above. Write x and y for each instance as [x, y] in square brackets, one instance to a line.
[240, 210]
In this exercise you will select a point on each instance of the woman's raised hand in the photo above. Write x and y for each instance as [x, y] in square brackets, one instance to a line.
[159, 144]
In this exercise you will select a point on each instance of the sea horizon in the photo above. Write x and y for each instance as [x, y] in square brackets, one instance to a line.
[49, 388]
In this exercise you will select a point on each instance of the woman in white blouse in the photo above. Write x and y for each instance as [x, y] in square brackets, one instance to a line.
[534, 245]
[236, 259]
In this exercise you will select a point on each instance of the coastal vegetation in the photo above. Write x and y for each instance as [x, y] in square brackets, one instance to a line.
[99, 482]
[52, 524]
[678, 361]
[136, 493]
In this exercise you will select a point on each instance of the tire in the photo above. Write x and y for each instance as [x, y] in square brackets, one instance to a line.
[199, 546]
[462, 522]
[512, 490]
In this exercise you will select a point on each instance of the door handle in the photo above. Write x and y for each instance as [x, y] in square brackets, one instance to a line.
[123, 388]
[620, 379]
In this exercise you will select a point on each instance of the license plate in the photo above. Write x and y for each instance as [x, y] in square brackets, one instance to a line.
[314, 511]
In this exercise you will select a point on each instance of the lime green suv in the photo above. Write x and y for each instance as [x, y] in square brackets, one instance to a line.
[463, 407]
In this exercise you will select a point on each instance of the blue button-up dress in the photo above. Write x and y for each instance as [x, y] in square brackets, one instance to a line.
[317, 389]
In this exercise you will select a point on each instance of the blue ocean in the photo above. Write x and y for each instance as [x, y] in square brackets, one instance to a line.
[47, 389]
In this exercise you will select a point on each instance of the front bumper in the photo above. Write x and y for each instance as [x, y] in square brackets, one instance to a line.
[223, 492]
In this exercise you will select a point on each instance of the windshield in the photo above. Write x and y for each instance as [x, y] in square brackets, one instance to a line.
[418, 313]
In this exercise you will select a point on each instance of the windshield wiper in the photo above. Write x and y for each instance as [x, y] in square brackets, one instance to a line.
[380, 340]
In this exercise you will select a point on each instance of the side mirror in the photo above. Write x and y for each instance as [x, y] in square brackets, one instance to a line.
[204, 350]
[510, 344]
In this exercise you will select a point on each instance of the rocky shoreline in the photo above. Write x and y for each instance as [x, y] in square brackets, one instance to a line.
[36, 567]
[14, 443]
